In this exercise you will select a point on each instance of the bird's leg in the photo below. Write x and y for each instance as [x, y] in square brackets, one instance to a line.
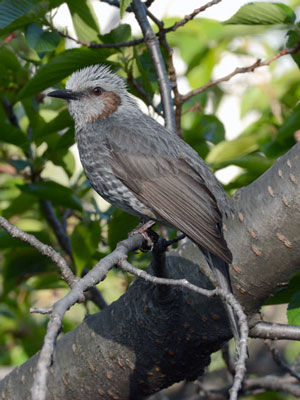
[159, 258]
[144, 229]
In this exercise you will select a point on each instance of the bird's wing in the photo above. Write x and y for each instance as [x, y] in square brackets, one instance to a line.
[174, 191]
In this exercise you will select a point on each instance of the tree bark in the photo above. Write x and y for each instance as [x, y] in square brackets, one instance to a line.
[152, 337]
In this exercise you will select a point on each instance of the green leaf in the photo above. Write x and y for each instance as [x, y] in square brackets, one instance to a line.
[285, 294]
[80, 251]
[11, 73]
[20, 165]
[15, 14]
[7, 241]
[145, 67]
[285, 135]
[41, 41]
[31, 108]
[58, 194]
[22, 263]
[119, 226]
[62, 157]
[10, 10]
[120, 34]
[293, 311]
[62, 66]
[13, 135]
[59, 123]
[123, 6]
[263, 13]
[48, 281]
[85, 239]
[241, 181]
[255, 98]
[228, 150]
[293, 38]
[19, 205]
[212, 129]
[84, 20]
[254, 163]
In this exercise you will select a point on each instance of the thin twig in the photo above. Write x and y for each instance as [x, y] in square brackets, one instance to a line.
[97, 274]
[60, 231]
[268, 330]
[273, 383]
[116, 3]
[42, 248]
[158, 63]
[241, 70]
[133, 42]
[92, 45]
[124, 265]
[191, 16]
[41, 310]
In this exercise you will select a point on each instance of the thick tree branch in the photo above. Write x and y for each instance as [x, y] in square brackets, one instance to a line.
[264, 232]
[240, 366]
[262, 235]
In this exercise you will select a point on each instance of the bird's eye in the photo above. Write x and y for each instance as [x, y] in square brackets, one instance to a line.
[97, 91]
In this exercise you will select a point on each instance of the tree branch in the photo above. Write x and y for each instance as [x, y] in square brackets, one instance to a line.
[93, 277]
[158, 62]
[268, 330]
[241, 70]
[240, 366]
[191, 16]
[92, 45]
[273, 383]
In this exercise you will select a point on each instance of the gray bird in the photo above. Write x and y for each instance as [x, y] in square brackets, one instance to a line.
[137, 165]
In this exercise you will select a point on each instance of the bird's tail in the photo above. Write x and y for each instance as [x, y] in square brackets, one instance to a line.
[220, 270]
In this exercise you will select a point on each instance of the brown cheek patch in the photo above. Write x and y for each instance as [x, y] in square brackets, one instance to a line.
[112, 102]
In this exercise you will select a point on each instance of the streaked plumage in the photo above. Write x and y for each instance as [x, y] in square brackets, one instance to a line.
[139, 166]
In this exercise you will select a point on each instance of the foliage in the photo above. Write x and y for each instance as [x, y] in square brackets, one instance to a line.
[37, 160]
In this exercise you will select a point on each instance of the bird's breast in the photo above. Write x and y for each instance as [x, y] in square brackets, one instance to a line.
[96, 161]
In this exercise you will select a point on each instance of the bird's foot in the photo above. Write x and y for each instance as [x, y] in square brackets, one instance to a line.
[148, 234]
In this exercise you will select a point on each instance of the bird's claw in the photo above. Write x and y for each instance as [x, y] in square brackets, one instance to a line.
[148, 234]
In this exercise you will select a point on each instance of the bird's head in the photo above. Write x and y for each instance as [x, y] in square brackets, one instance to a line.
[94, 93]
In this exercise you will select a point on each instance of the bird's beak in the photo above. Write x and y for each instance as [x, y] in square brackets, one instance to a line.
[64, 94]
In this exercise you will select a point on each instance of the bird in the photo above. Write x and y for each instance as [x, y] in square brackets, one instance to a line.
[139, 166]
